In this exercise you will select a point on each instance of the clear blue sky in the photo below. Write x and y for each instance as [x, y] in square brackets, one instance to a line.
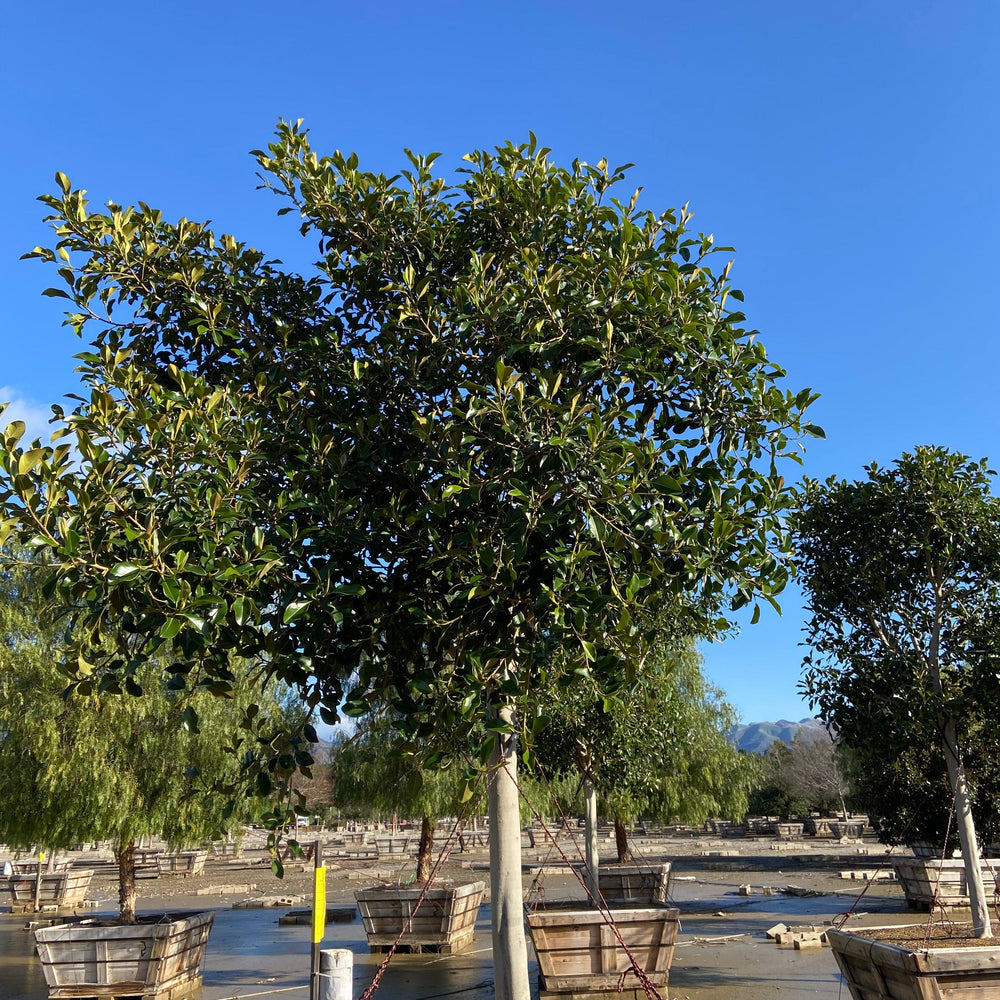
[849, 151]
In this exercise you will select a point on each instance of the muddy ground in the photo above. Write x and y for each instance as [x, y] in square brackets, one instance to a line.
[721, 951]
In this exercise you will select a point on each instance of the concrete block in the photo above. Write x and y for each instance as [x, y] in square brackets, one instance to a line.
[773, 932]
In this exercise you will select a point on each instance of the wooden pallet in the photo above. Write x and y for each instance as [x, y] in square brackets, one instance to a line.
[179, 991]
[627, 994]
[457, 944]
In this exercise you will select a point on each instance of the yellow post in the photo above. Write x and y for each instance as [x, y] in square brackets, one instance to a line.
[318, 917]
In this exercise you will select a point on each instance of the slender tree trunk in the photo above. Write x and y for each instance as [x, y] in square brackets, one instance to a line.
[978, 902]
[510, 952]
[956, 774]
[38, 881]
[621, 841]
[125, 856]
[590, 841]
[426, 849]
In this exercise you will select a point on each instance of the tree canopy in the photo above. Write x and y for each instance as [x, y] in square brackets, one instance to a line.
[506, 421]
[902, 572]
[659, 750]
[503, 418]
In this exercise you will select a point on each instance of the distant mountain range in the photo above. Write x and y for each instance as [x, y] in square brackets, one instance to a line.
[758, 736]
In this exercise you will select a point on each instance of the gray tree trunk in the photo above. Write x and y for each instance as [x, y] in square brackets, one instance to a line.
[590, 834]
[510, 951]
[978, 903]
[125, 856]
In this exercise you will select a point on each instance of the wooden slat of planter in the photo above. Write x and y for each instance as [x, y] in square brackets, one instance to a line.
[89, 959]
[446, 917]
[66, 888]
[577, 950]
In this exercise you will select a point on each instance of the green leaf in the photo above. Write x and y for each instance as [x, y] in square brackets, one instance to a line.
[294, 610]
[124, 571]
[170, 628]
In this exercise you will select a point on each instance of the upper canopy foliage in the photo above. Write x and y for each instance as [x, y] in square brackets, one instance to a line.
[508, 417]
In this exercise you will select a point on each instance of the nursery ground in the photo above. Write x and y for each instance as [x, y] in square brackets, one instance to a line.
[721, 952]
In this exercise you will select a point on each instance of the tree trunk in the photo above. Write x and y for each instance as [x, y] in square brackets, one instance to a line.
[621, 841]
[967, 835]
[590, 839]
[426, 849]
[510, 952]
[38, 882]
[125, 856]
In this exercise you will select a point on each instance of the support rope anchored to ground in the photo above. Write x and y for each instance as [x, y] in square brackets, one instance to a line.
[600, 903]
[442, 854]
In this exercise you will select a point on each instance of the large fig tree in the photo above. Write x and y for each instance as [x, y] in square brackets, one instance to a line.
[506, 415]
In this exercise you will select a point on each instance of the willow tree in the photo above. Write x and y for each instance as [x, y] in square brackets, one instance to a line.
[902, 574]
[504, 415]
[104, 765]
[375, 776]
[659, 750]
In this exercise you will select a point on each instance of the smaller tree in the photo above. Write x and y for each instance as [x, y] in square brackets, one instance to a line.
[814, 772]
[902, 573]
[657, 749]
[107, 764]
[373, 776]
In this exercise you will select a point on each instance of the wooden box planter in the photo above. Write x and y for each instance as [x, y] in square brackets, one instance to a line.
[634, 883]
[921, 849]
[400, 844]
[158, 957]
[853, 828]
[30, 867]
[788, 831]
[444, 922]
[878, 970]
[578, 951]
[182, 863]
[926, 880]
[816, 826]
[66, 888]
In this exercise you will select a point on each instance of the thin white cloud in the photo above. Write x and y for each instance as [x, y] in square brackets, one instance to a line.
[35, 416]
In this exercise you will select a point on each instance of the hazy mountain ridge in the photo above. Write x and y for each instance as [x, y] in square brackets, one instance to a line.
[756, 737]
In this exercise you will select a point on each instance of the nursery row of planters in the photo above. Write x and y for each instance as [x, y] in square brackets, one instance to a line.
[579, 947]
